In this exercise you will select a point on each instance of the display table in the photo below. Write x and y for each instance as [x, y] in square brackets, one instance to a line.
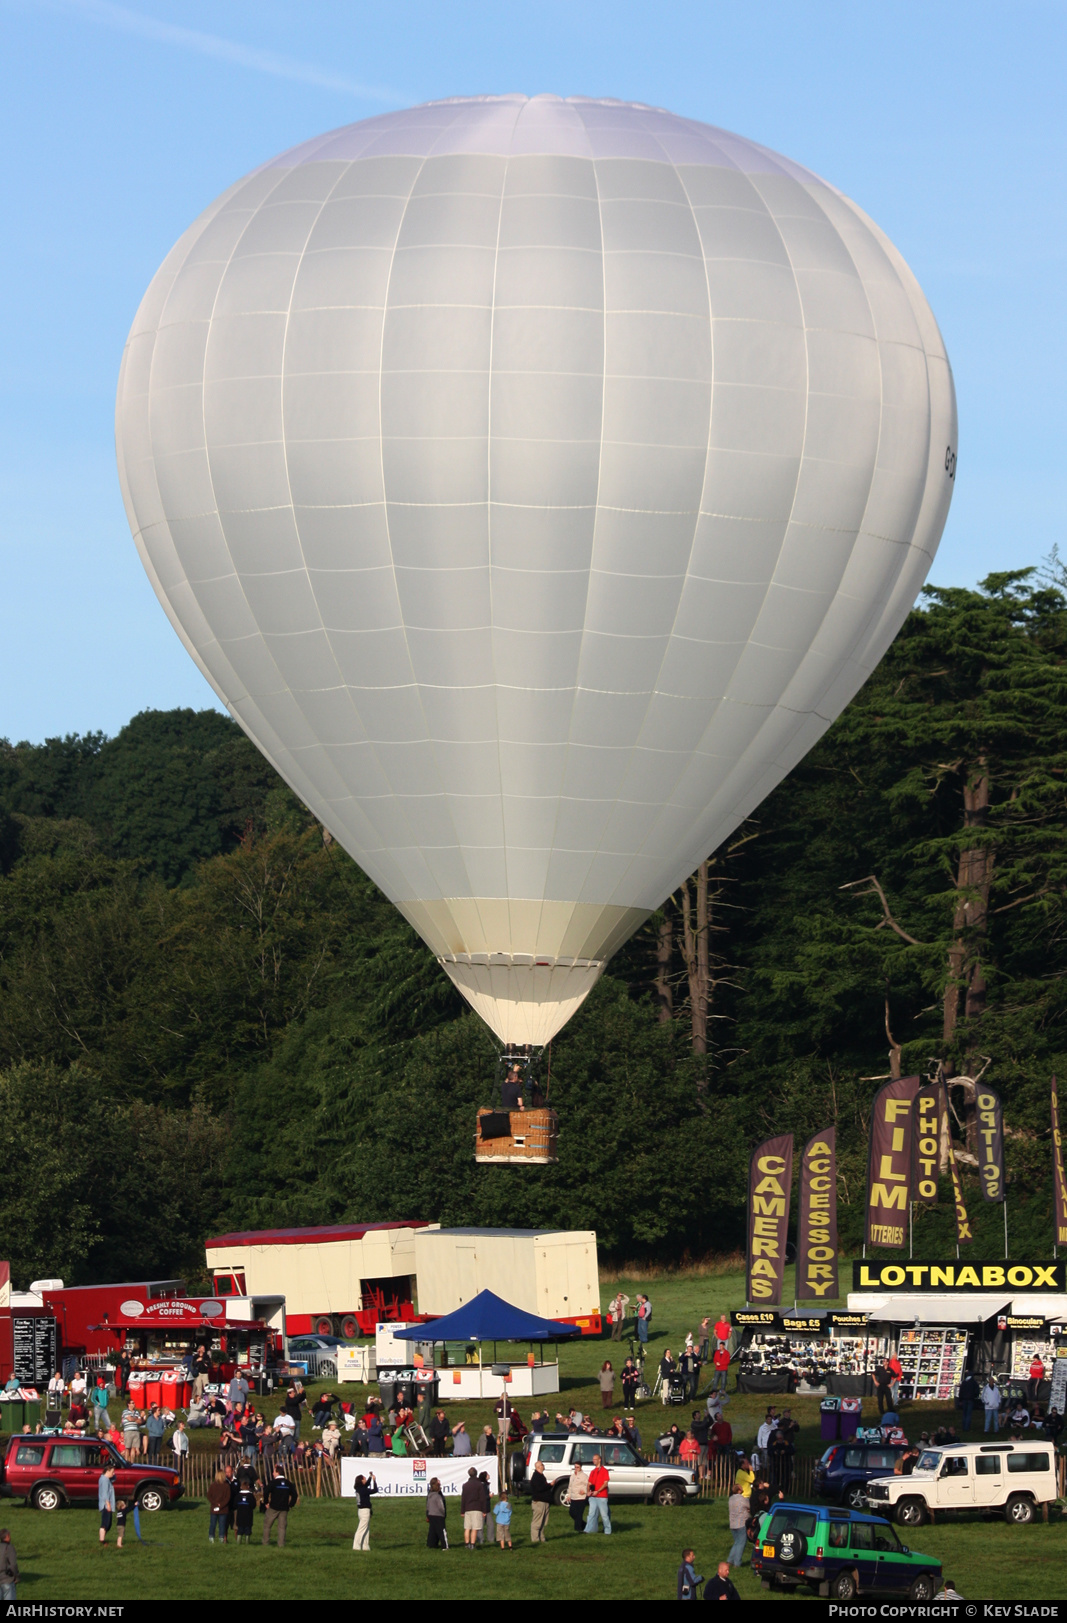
[478, 1381]
[778, 1380]
[850, 1386]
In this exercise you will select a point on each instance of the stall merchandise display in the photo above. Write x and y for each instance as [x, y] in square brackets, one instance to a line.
[932, 1359]
[824, 1355]
[1023, 1353]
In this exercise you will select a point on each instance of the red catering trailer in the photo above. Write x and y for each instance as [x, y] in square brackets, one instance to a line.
[84, 1312]
[337, 1279]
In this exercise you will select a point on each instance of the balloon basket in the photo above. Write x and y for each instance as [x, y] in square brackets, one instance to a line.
[531, 1137]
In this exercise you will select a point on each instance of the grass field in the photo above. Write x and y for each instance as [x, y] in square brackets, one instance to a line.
[61, 1560]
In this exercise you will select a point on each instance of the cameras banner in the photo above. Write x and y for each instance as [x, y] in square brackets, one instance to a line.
[889, 1163]
[926, 1152]
[1059, 1182]
[817, 1226]
[770, 1182]
[990, 1144]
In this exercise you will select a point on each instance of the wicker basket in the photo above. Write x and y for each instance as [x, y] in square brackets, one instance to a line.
[533, 1138]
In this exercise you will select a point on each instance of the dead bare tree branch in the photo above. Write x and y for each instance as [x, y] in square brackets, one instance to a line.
[876, 890]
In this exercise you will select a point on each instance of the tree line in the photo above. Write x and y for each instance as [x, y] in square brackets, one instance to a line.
[210, 1018]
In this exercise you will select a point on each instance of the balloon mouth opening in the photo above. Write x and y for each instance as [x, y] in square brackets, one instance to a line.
[522, 997]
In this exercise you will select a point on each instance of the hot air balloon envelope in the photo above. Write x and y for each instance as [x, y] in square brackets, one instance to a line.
[534, 481]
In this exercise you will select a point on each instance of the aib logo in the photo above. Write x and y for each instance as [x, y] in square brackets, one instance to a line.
[418, 1470]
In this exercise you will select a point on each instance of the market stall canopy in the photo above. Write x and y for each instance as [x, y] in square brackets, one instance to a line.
[486, 1317]
[193, 1323]
[930, 1309]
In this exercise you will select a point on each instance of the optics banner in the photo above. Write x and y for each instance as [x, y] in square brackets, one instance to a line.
[770, 1181]
[817, 1226]
[1059, 1181]
[889, 1163]
[990, 1144]
[963, 1222]
[926, 1124]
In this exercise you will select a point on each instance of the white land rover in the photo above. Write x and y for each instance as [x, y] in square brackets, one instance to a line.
[1014, 1478]
[629, 1476]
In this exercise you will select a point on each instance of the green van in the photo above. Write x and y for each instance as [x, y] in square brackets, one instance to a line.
[840, 1552]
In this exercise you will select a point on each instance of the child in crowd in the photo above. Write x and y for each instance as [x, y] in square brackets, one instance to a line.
[502, 1513]
[120, 1522]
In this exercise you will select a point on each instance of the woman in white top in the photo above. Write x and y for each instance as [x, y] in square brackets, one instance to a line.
[56, 1388]
[577, 1494]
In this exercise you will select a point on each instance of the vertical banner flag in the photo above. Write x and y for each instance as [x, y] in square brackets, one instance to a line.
[963, 1223]
[889, 1163]
[990, 1144]
[926, 1123]
[817, 1226]
[770, 1181]
[1059, 1182]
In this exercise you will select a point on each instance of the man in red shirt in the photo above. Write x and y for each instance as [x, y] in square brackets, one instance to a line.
[1037, 1375]
[721, 1365]
[598, 1497]
[720, 1438]
[722, 1328]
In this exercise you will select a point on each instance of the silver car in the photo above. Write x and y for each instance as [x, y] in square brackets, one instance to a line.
[630, 1476]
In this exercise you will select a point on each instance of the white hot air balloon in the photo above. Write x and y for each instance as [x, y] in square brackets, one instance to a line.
[534, 481]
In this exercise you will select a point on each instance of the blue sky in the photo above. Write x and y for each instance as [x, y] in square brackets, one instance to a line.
[121, 123]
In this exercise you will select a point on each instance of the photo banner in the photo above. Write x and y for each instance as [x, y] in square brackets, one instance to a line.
[889, 1163]
[990, 1144]
[926, 1154]
[770, 1180]
[817, 1221]
[406, 1479]
[1059, 1182]
[963, 1224]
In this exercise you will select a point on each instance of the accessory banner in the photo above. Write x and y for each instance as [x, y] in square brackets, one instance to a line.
[926, 1124]
[990, 1144]
[889, 1162]
[1059, 1182]
[963, 1222]
[770, 1183]
[817, 1226]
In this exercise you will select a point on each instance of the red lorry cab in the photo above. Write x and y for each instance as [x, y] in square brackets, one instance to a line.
[58, 1469]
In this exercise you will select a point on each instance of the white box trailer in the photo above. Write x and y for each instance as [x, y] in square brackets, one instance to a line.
[546, 1271]
[337, 1279]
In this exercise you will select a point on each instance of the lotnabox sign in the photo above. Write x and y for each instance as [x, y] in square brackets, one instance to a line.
[959, 1276]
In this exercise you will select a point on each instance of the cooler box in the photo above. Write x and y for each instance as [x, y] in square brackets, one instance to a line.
[153, 1387]
[829, 1420]
[136, 1391]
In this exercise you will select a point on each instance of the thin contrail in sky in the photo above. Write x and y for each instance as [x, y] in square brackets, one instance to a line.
[126, 21]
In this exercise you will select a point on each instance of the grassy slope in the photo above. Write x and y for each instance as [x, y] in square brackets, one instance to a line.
[61, 1561]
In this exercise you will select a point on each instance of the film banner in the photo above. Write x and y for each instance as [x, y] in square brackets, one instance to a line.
[963, 1222]
[770, 1180]
[1059, 1182]
[926, 1125]
[817, 1226]
[889, 1163]
[990, 1143]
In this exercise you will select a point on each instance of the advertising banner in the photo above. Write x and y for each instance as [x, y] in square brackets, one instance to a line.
[926, 1129]
[990, 1143]
[889, 1163]
[817, 1225]
[809, 1324]
[1059, 1182]
[963, 1225]
[410, 1479]
[770, 1181]
[959, 1276]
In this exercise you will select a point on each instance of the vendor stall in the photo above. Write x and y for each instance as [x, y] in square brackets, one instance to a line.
[489, 1320]
[159, 1336]
[823, 1350]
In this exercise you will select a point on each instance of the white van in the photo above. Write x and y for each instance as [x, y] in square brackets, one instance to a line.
[1013, 1477]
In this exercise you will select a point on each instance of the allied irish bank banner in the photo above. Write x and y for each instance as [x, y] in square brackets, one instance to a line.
[770, 1178]
[817, 1227]
[1059, 1181]
[889, 1164]
[926, 1127]
[990, 1143]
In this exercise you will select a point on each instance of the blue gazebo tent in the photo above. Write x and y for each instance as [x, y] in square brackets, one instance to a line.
[487, 1317]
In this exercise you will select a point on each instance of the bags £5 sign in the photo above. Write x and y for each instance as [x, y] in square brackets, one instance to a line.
[770, 1178]
[889, 1166]
[817, 1227]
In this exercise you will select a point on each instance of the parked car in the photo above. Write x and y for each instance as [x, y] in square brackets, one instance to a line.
[845, 1470]
[630, 1476]
[1014, 1478]
[319, 1353]
[826, 1548]
[52, 1471]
